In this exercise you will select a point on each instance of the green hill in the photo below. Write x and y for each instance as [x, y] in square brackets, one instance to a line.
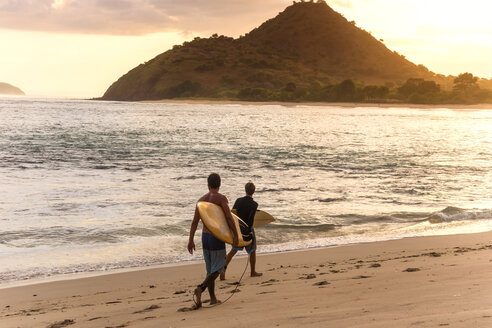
[8, 89]
[308, 46]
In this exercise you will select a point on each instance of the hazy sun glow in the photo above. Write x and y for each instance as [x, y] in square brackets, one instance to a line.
[448, 37]
[74, 65]
[57, 4]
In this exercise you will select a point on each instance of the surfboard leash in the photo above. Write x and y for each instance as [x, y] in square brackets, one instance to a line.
[235, 289]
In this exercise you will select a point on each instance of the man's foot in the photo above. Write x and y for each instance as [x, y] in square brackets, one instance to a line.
[222, 275]
[215, 301]
[256, 274]
[197, 298]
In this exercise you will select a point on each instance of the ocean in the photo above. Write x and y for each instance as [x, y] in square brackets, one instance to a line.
[90, 186]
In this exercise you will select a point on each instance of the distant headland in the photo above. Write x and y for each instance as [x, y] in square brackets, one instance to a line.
[8, 89]
[307, 53]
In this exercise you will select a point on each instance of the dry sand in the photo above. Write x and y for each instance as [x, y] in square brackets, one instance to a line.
[443, 281]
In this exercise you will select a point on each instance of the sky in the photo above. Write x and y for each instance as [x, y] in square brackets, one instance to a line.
[77, 48]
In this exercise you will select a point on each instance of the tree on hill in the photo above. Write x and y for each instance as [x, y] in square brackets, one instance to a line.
[419, 86]
[345, 91]
[466, 90]
[374, 92]
[290, 87]
[465, 83]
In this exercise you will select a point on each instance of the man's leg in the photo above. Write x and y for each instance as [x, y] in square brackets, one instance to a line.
[209, 283]
[228, 260]
[211, 289]
[252, 260]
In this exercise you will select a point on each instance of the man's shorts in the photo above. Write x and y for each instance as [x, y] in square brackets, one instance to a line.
[214, 253]
[249, 248]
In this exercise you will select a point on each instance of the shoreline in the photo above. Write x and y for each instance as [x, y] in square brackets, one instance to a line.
[416, 281]
[317, 104]
[89, 274]
[266, 103]
[266, 250]
[94, 273]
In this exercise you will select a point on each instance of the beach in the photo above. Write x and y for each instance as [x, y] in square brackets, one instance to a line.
[314, 103]
[439, 281]
[382, 214]
[358, 181]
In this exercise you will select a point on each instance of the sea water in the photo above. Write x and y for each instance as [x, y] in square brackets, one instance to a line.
[93, 186]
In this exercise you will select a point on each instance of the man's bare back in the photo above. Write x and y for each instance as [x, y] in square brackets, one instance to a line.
[213, 196]
[217, 199]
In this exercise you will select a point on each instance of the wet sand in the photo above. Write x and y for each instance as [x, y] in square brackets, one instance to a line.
[443, 281]
[330, 104]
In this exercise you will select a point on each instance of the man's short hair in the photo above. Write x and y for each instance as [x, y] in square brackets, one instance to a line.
[214, 181]
[250, 188]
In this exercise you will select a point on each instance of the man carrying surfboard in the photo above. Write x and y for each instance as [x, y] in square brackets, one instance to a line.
[246, 209]
[214, 251]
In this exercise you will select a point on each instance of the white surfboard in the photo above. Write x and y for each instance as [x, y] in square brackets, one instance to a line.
[262, 218]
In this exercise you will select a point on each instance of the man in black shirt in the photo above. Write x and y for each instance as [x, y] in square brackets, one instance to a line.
[246, 209]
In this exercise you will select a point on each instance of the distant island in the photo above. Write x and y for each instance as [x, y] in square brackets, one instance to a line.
[8, 89]
[306, 53]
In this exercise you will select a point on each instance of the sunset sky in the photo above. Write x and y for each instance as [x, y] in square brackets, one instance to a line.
[77, 48]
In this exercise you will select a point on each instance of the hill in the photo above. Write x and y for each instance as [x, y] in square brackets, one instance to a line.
[8, 89]
[305, 49]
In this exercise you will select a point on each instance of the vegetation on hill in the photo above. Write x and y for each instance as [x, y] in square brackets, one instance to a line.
[308, 52]
[414, 91]
[8, 89]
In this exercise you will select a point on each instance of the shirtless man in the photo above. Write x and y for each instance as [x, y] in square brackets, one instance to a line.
[214, 251]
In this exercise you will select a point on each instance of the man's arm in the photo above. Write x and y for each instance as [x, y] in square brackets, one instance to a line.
[194, 226]
[230, 221]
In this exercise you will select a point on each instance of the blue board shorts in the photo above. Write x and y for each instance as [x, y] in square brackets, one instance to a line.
[214, 253]
[249, 248]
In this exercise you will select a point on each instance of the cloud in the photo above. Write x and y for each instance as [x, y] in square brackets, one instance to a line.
[137, 17]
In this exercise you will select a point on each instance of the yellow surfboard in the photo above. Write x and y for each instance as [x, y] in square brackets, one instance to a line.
[214, 219]
[262, 218]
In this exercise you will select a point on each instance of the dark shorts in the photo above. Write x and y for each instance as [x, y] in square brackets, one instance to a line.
[214, 253]
[249, 248]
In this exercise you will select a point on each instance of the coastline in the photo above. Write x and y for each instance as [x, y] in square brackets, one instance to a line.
[419, 281]
[292, 104]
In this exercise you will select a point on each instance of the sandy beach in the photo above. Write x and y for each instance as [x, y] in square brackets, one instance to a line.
[441, 281]
[337, 104]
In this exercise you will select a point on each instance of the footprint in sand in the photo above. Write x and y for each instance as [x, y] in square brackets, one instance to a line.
[361, 277]
[262, 293]
[321, 283]
[150, 308]
[96, 318]
[308, 276]
[186, 309]
[411, 270]
[60, 324]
